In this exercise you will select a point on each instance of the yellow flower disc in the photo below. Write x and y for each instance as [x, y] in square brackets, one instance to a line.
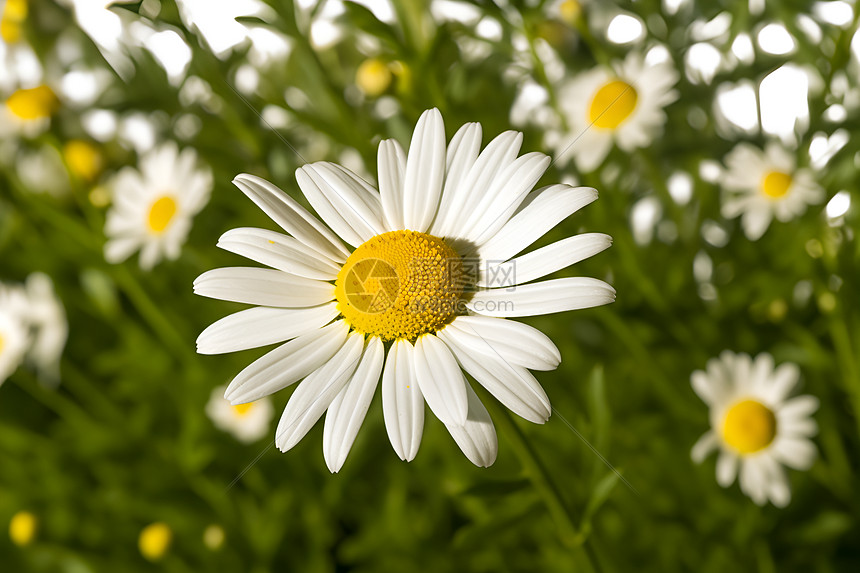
[775, 184]
[34, 103]
[243, 409]
[161, 213]
[83, 159]
[400, 284]
[749, 426]
[612, 104]
[22, 528]
[14, 14]
[570, 11]
[373, 77]
[154, 540]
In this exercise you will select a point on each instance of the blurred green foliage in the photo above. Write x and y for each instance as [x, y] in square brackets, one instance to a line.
[124, 441]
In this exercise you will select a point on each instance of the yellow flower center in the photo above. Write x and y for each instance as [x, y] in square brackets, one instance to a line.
[22, 528]
[2, 343]
[775, 184]
[83, 159]
[154, 541]
[569, 10]
[400, 284]
[161, 213]
[612, 104]
[34, 103]
[749, 426]
[14, 14]
[373, 77]
[242, 410]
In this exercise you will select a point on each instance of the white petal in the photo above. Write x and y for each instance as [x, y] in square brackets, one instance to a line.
[797, 453]
[753, 480]
[504, 196]
[316, 392]
[402, 402]
[347, 411]
[391, 164]
[508, 340]
[798, 408]
[762, 368]
[278, 251]
[705, 388]
[515, 387]
[291, 217]
[462, 153]
[474, 185]
[264, 287]
[425, 171]
[287, 363]
[261, 325]
[783, 379]
[150, 254]
[727, 467]
[756, 221]
[704, 446]
[441, 380]
[589, 155]
[776, 482]
[557, 295]
[341, 202]
[543, 261]
[541, 211]
[477, 436]
[119, 249]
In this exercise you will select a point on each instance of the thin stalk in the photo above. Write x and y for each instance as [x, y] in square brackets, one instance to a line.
[847, 365]
[546, 488]
[151, 313]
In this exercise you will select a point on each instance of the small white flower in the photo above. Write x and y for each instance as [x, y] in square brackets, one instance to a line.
[47, 319]
[623, 105]
[246, 422]
[761, 185]
[14, 335]
[754, 424]
[424, 293]
[153, 207]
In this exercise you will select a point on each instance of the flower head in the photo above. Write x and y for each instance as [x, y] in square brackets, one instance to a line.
[754, 424]
[154, 540]
[28, 111]
[247, 422]
[623, 105]
[760, 185]
[23, 528]
[153, 207]
[14, 331]
[422, 295]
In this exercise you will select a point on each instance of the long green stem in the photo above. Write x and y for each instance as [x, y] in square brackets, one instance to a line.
[841, 337]
[546, 488]
[151, 313]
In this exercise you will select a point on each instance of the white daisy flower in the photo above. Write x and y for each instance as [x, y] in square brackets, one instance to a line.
[623, 105]
[14, 334]
[246, 422]
[153, 207]
[47, 319]
[755, 425]
[426, 248]
[762, 184]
